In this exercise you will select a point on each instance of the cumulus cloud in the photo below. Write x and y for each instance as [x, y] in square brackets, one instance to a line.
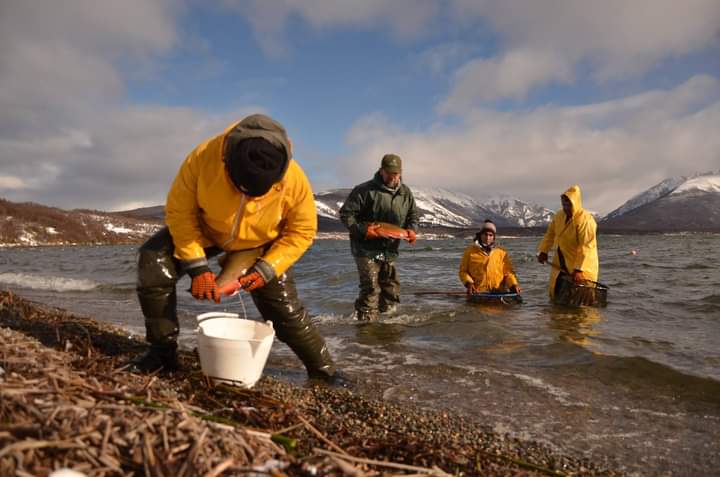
[402, 19]
[543, 42]
[508, 76]
[612, 149]
[67, 138]
[538, 43]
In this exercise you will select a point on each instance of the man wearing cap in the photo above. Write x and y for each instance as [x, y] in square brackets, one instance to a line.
[486, 267]
[383, 199]
[238, 191]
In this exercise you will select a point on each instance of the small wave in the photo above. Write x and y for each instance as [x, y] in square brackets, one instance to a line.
[117, 287]
[699, 266]
[36, 282]
[560, 395]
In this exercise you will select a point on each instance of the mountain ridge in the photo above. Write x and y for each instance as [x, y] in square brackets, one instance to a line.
[679, 204]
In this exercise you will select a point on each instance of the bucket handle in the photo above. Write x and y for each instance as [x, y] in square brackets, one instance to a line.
[214, 314]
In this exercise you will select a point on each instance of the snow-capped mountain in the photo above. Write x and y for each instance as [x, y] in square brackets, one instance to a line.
[652, 194]
[442, 208]
[524, 214]
[679, 203]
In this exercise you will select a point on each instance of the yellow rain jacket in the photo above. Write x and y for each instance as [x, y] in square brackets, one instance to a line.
[487, 272]
[574, 238]
[204, 208]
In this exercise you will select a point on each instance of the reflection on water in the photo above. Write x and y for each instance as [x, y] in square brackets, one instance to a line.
[575, 325]
[375, 333]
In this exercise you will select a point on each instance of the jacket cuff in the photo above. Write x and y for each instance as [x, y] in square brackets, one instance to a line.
[195, 267]
[265, 270]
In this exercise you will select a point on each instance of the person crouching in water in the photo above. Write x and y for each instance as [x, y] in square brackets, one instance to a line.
[238, 191]
[486, 267]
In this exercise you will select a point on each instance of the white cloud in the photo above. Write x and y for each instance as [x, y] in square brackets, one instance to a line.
[402, 19]
[12, 182]
[537, 42]
[612, 149]
[66, 138]
[67, 134]
[615, 39]
[508, 76]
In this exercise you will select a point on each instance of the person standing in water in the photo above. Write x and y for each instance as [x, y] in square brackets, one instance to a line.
[384, 198]
[572, 231]
[485, 266]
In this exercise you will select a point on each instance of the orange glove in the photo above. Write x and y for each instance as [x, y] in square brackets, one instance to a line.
[577, 276]
[204, 287]
[412, 236]
[251, 281]
[372, 232]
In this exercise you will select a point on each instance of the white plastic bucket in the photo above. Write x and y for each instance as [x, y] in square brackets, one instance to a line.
[233, 349]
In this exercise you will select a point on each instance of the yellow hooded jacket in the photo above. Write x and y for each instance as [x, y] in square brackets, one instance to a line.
[204, 208]
[487, 272]
[575, 238]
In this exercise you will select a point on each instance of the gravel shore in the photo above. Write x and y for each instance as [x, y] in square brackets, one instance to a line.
[67, 401]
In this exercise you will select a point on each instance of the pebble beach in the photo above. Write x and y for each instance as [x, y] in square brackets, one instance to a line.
[68, 402]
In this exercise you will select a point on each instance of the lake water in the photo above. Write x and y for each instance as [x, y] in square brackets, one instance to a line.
[635, 384]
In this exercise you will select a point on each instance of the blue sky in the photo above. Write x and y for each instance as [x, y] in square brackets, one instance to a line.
[102, 101]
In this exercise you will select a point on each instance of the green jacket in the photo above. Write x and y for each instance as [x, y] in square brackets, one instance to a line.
[370, 202]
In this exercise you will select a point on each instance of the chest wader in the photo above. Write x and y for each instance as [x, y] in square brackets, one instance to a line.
[379, 287]
[159, 272]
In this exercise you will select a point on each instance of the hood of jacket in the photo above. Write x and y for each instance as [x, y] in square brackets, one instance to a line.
[259, 126]
[575, 196]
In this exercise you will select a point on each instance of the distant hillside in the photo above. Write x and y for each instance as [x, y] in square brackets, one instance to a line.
[673, 205]
[33, 224]
[156, 212]
[676, 204]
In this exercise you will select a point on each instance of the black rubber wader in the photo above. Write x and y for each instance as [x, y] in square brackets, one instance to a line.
[379, 287]
[277, 301]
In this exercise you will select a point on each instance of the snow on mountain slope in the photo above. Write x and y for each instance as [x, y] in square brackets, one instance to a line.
[652, 194]
[706, 183]
[439, 207]
[524, 214]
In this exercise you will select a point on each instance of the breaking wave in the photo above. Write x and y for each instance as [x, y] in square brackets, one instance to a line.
[37, 282]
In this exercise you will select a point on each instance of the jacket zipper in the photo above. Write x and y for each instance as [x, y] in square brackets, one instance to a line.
[236, 222]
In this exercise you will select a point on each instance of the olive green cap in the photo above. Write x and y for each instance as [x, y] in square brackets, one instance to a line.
[391, 163]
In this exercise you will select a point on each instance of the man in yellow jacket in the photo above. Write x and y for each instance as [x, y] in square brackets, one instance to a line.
[572, 231]
[238, 191]
[486, 267]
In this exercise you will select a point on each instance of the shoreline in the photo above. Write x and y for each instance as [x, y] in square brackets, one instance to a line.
[294, 428]
[428, 235]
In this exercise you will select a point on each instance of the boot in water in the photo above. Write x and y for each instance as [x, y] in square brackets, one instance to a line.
[337, 379]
